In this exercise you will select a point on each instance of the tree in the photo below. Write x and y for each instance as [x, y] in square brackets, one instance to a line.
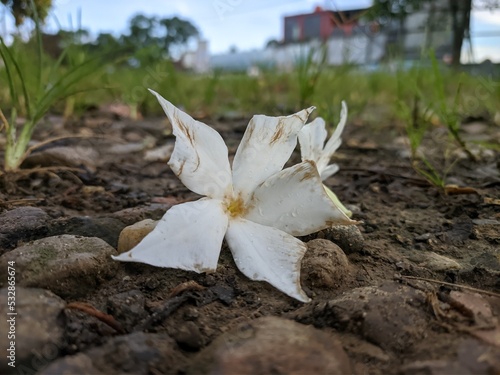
[460, 24]
[177, 32]
[388, 11]
[459, 11]
[22, 9]
[152, 38]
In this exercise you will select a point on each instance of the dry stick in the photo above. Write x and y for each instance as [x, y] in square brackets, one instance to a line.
[482, 291]
[92, 311]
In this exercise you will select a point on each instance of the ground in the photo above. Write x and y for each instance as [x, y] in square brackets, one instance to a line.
[377, 305]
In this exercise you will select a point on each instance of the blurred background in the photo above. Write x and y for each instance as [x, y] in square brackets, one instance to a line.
[217, 56]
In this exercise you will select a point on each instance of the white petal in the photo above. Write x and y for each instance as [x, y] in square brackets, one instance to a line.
[335, 140]
[188, 237]
[328, 171]
[312, 139]
[266, 146]
[295, 202]
[200, 156]
[267, 254]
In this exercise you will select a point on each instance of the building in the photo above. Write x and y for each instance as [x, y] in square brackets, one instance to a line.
[349, 38]
[320, 24]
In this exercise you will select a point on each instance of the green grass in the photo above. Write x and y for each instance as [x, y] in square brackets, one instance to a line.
[398, 99]
[34, 86]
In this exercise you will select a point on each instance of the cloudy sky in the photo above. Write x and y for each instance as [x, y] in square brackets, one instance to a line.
[245, 24]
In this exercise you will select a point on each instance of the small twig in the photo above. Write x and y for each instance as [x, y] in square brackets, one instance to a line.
[168, 308]
[472, 289]
[190, 285]
[92, 311]
[457, 190]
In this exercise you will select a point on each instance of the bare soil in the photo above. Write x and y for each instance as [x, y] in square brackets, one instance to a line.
[404, 219]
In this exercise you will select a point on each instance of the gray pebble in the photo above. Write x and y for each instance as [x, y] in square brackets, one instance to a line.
[69, 266]
[38, 330]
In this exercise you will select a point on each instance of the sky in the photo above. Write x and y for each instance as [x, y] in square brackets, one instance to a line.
[246, 24]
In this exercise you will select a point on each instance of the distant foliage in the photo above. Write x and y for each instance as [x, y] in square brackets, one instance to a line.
[22, 9]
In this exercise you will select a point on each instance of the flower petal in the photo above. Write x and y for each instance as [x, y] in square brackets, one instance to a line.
[188, 237]
[328, 171]
[335, 140]
[295, 202]
[312, 139]
[200, 156]
[267, 254]
[266, 146]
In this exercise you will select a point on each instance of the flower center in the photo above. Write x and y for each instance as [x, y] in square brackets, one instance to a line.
[236, 207]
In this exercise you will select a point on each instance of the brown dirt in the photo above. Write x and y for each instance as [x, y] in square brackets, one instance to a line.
[403, 219]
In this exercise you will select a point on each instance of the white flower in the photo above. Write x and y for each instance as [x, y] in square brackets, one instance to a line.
[257, 206]
[312, 147]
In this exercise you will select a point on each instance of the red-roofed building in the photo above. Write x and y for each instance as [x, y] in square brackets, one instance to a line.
[320, 24]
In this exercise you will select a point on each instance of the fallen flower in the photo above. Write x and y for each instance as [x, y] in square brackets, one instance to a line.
[257, 206]
[312, 147]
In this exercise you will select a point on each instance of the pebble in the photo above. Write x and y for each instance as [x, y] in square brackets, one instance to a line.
[435, 262]
[348, 237]
[423, 237]
[472, 357]
[272, 345]
[68, 265]
[488, 232]
[133, 234]
[38, 329]
[132, 215]
[68, 156]
[105, 228]
[22, 223]
[137, 353]
[161, 153]
[324, 265]
[188, 336]
[392, 316]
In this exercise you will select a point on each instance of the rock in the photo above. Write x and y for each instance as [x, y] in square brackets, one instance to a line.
[105, 228]
[79, 364]
[392, 316]
[489, 232]
[22, 223]
[67, 156]
[38, 329]
[136, 353]
[128, 308]
[348, 237]
[485, 222]
[273, 345]
[161, 153]
[489, 261]
[423, 237]
[472, 357]
[435, 262]
[433, 367]
[188, 336]
[132, 215]
[133, 234]
[324, 265]
[69, 266]
[476, 305]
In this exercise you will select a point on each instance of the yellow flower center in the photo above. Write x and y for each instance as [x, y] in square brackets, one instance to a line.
[236, 207]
